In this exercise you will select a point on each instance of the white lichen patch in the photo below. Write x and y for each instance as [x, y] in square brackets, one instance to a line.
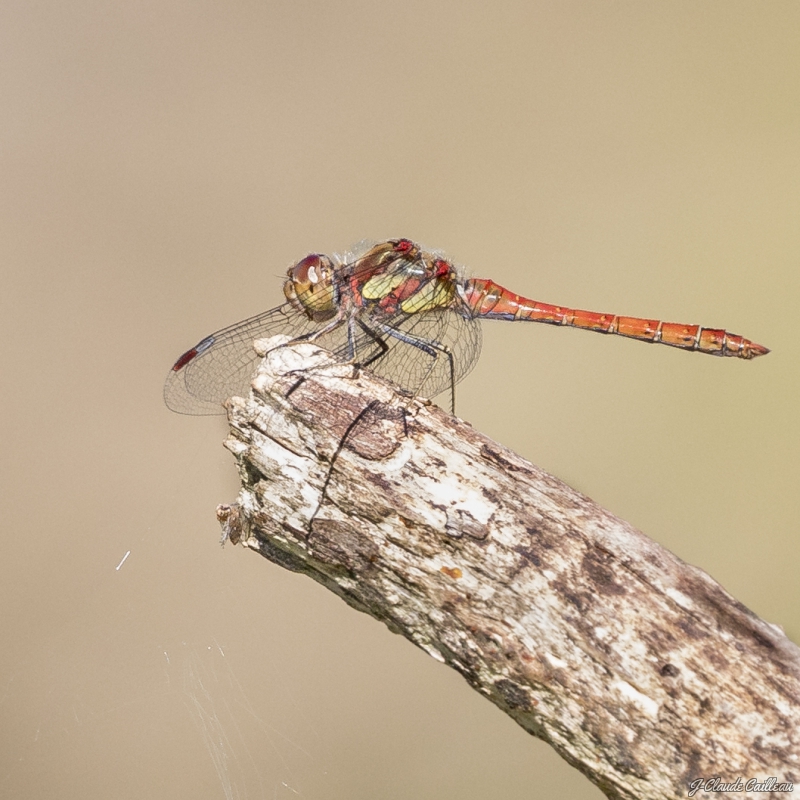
[449, 489]
[281, 358]
[645, 703]
[554, 661]
[290, 484]
[679, 597]
[627, 643]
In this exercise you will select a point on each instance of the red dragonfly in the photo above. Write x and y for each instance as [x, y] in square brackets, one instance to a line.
[404, 313]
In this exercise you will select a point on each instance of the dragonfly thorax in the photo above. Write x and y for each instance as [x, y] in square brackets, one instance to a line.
[309, 287]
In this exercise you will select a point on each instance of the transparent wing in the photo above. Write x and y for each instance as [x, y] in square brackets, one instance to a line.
[222, 364]
[426, 353]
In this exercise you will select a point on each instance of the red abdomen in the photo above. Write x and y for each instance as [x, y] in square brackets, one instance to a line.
[488, 300]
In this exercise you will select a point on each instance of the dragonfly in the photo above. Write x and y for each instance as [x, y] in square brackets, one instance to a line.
[405, 313]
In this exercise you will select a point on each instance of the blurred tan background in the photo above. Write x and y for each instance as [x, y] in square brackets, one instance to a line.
[162, 164]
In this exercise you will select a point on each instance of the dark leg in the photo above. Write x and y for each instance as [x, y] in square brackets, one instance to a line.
[377, 338]
[434, 350]
[310, 337]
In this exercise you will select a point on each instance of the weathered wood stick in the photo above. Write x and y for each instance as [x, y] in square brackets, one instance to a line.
[639, 669]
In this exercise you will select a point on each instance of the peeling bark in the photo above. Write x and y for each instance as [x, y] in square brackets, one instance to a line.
[639, 669]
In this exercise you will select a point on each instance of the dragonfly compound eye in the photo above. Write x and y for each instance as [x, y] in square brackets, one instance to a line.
[309, 287]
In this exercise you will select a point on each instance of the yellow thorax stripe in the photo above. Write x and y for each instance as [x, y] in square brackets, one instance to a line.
[434, 294]
[379, 286]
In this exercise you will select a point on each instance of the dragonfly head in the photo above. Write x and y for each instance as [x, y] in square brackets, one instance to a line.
[309, 287]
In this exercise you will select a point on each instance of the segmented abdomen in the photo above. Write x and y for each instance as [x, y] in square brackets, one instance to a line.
[488, 300]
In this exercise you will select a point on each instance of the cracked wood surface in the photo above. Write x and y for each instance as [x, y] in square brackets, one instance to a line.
[639, 669]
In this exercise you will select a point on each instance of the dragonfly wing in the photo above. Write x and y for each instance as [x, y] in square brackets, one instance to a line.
[222, 364]
[417, 346]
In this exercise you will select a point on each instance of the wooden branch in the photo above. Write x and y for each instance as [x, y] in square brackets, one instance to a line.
[639, 669]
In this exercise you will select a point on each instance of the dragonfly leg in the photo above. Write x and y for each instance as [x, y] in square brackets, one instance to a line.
[313, 335]
[377, 338]
[351, 338]
[435, 350]
[310, 337]
[350, 355]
